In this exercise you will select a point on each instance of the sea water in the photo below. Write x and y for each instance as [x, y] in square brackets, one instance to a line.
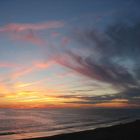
[28, 123]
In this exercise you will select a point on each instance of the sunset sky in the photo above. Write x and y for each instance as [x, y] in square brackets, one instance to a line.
[69, 53]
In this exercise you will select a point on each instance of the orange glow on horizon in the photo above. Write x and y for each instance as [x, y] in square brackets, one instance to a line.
[114, 104]
[49, 98]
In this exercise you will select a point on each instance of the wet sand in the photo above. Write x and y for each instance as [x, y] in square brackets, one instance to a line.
[128, 131]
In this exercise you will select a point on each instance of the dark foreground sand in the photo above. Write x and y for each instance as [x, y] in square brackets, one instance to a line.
[128, 131]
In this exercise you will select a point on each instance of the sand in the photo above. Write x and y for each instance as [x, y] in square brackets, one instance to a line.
[128, 131]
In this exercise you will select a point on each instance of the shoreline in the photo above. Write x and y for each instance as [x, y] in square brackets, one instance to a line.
[122, 131]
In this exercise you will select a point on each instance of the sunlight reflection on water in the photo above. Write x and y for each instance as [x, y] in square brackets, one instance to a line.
[26, 123]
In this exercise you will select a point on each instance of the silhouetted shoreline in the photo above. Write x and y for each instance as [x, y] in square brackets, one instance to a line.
[127, 131]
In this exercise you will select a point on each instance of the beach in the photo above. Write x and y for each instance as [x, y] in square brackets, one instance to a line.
[17, 124]
[127, 131]
[69, 69]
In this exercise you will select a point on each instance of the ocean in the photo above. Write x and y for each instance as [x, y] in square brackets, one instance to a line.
[28, 123]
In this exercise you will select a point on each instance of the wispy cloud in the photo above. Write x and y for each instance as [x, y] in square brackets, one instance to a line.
[35, 66]
[21, 72]
[31, 37]
[28, 32]
[19, 27]
[113, 58]
[7, 64]
[43, 65]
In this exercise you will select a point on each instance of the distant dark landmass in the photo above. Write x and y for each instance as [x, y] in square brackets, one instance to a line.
[128, 131]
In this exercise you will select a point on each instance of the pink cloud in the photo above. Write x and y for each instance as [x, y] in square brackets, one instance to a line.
[43, 65]
[7, 64]
[65, 41]
[55, 34]
[30, 37]
[17, 27]
[35, 67]
[27, 32]
[22, 72]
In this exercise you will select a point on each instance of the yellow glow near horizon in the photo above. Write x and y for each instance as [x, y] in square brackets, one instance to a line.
[34, 99]
[24, 97]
